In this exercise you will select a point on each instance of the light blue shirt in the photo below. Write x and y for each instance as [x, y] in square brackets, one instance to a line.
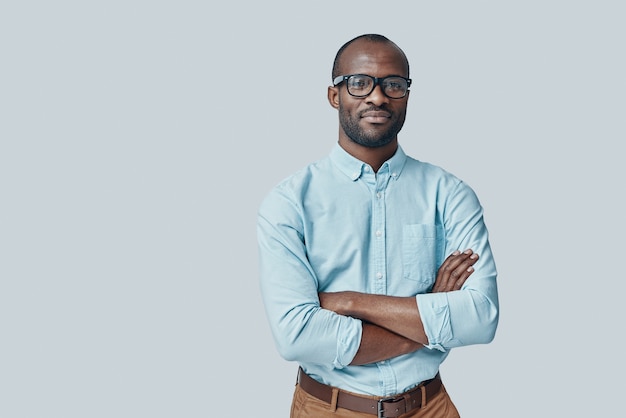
[335, 226]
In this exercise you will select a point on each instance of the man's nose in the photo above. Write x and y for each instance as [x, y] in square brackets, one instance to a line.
[377, 97]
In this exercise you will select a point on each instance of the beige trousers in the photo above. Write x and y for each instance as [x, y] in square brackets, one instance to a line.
[307, 406]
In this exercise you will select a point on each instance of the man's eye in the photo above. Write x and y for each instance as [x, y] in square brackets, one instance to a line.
[358, 84]
[394, 85]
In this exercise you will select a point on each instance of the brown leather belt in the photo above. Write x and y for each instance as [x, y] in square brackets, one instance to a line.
[381, 407]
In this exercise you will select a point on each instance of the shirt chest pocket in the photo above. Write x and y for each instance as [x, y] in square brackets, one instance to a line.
[420, 247]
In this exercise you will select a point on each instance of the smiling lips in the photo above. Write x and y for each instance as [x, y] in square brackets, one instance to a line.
[375, 116]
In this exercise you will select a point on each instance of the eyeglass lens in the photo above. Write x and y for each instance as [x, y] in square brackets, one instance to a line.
[362, 85]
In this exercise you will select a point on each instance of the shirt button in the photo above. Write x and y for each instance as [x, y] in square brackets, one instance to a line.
[379, 195]
[378, 233]
[367, 169]
[394, 175]
[379, 275]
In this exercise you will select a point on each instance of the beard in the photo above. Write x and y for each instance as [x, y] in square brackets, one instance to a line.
[371, 138]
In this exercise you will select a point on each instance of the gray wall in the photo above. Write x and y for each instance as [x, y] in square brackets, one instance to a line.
[138, 138]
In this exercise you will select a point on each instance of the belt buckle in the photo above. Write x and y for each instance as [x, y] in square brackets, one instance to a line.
[381, 409]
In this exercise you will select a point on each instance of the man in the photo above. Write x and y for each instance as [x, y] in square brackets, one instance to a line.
[370, 271]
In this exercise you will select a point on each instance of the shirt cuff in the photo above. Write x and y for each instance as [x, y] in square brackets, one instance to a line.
[435, 314]
[349, 341]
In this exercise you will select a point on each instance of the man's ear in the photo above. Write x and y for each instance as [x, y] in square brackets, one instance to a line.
[333, 96]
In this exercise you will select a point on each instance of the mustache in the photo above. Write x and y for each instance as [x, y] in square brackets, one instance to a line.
[375, 109]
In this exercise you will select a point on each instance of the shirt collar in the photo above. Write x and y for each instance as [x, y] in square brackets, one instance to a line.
[353, 168]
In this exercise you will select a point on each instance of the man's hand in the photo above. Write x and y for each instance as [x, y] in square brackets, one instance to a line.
[454, 271]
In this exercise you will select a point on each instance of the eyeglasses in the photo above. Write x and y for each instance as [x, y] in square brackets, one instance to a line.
[361, 85]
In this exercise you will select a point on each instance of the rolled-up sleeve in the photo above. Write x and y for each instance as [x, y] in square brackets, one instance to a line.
[470, 315]
[302, 330]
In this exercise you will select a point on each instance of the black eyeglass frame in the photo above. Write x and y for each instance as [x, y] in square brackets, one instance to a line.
[377, 81]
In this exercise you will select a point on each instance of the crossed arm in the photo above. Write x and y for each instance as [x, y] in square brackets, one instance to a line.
[392, 325]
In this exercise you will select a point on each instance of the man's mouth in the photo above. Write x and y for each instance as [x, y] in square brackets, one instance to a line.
[375, 116]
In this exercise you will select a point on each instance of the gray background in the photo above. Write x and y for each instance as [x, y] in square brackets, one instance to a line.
[138, 138]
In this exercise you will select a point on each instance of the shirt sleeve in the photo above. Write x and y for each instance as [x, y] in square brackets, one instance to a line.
[302, 330]
[470, 315]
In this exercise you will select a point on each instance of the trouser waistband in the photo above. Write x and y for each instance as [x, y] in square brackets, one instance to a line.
[383, 407]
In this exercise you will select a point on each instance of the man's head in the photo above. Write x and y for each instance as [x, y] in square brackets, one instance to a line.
[371, 109]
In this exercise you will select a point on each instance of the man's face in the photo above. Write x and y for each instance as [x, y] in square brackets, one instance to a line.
[375, 120]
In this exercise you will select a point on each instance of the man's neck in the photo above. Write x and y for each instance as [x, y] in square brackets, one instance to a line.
[375, 157]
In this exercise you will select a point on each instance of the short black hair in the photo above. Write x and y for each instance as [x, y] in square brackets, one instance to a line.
[370, 37]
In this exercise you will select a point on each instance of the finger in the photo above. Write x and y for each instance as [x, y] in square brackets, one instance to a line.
[449, 265]
[443, 274]
[455, 259]
[462, 272]
[453, 272]
[461, 279]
